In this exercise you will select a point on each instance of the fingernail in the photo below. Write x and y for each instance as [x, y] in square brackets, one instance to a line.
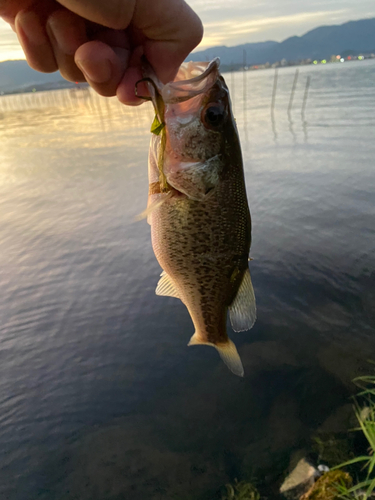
[32, 28]
[96, 71]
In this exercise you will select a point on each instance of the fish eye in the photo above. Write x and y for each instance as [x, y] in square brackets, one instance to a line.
[213, 115]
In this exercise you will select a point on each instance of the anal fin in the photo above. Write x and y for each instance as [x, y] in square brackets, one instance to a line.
[166, 287]
[242, 311]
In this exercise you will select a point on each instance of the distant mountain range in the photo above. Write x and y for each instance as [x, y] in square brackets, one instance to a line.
[320, 43]
[17, 75]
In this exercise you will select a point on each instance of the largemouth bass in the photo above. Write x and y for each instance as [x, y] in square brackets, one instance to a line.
[197, 205]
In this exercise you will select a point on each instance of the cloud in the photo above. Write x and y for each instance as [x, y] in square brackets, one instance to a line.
[232, 22]
[240, 21]
[238, 30]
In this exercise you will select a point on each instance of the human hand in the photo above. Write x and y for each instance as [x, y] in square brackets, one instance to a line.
[102, 41]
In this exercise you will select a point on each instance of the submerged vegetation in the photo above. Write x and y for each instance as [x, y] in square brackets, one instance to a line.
[332, 449]
[241, 491]
[327, 486]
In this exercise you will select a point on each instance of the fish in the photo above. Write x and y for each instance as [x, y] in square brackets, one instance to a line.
[197, 205]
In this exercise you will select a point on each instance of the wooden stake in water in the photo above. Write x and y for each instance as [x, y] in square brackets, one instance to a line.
[305, 97]
[293, 91]
[232, 86]
[244, 71]
[273, 103]
[244, 76]
[274, 92]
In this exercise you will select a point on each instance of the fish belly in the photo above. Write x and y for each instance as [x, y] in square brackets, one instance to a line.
[204, 251]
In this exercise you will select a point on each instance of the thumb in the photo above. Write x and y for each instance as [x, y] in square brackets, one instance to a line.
[172, 30]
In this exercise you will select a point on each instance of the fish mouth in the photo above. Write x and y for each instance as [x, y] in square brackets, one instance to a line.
[192, 79]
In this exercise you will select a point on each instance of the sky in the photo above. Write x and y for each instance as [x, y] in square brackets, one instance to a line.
[232, 22]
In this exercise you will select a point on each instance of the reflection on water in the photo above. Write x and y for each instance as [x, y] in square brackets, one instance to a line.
[100, 397]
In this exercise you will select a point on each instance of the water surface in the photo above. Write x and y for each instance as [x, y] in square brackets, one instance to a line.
[100, 398]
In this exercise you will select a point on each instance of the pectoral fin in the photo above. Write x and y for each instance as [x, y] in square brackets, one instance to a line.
[166, 287]
[153, 206]
[228, 353]
[242, 311]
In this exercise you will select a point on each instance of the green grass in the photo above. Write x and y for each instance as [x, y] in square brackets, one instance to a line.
[365, 413]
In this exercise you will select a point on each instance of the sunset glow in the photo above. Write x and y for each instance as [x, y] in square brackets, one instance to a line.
[240, 22]
[9, 47]
[236, 31]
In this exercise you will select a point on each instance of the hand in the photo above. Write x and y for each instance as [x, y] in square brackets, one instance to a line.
[102, 41]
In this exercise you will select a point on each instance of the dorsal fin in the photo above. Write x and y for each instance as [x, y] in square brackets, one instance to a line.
[242, 311]
[166, 287]
[228, 353]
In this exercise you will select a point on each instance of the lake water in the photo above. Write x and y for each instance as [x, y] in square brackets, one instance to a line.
[100, 398]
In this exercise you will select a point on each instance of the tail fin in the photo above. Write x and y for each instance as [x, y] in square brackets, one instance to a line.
[228, 353]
